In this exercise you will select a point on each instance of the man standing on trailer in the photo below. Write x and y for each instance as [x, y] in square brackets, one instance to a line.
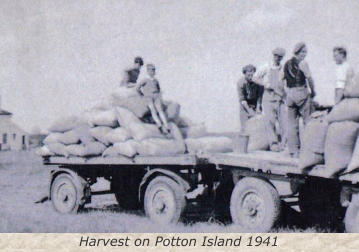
[344, 72]
[270, 76]
[250, 96]
[130, 75]
[300, 91]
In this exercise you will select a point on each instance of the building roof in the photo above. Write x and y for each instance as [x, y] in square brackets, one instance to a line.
[4, 112]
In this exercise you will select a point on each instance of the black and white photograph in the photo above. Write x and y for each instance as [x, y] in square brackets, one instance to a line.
[136, 116]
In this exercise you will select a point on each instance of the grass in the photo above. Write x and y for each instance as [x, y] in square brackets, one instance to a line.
[24, 180]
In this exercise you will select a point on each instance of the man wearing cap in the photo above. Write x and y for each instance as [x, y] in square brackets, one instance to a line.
[131, 74]
[344, 72]
[270, 76]
[250, 95]
[300, 91]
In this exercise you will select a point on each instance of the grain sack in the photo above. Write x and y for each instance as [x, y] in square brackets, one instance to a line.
[103, 105]
[346, 110]
[127, 149]
[83, 150]
[64, 124]
[99, 133]
[122, 93]
[136, 104]
[83, 132]
[256, 130]
[94, 148]
[44, 151]
[209, 144]
[354, 162]
[103, 118]
[141, 131]
[308, 158]
[314, 135]
[160, 147]
[125, 117]
[76, 150]
[52, 138]
[117, 135]
[58, 149]
[194, 131]
[339, 145]
[172, 110]
[69, 137]
[351, 89]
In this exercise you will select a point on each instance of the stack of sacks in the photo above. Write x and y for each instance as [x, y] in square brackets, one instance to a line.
[117, 128]
[341, 145]
[312, 149]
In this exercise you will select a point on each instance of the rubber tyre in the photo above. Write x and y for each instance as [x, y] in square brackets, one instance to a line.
[351, 219]
[65, 195]
[255, 205]
[127, 200]
[164, 200]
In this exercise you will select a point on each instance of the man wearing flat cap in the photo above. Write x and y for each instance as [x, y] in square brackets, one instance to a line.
[250, 96]
[300, 91]
[270, 76]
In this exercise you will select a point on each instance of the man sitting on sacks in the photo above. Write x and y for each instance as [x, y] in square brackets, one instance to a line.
[131, 74]
[149, 88]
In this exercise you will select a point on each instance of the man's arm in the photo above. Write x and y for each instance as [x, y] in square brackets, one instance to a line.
[259, 76]
[140, 85]
[125, 78]
[305, 69]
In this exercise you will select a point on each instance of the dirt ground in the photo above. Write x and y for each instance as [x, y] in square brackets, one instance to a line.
[24, 180]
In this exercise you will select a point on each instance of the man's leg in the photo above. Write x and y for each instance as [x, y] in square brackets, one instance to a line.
[282, 119]
[305, 110]
[159, 108]
[154, 115]
[292, 123]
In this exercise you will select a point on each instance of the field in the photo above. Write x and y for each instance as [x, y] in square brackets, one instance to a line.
[24, 180]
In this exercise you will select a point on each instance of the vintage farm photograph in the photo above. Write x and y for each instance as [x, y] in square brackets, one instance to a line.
[179, 116]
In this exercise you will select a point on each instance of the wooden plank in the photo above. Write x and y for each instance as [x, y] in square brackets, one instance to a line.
[139, 160]
[267, 161]
[170, 160]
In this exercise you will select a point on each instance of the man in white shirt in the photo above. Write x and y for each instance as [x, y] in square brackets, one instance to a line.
[270, 76]
[344, 72]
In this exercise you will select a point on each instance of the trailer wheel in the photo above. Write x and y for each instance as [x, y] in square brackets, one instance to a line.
[164, 200]
[351, 219]
[65, 195]
[255, 205]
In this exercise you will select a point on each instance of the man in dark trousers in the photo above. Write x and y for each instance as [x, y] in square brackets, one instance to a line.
[250, 96]
[300, 91]
[131, 74]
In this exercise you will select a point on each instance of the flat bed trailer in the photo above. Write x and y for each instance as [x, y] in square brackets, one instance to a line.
[250, 187]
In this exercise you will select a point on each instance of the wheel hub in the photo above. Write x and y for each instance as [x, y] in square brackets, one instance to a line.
[253, 207]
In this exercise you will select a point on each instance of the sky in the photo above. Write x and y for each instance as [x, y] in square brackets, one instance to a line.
[59, 58]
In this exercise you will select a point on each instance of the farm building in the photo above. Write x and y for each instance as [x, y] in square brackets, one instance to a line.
[12, 137]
